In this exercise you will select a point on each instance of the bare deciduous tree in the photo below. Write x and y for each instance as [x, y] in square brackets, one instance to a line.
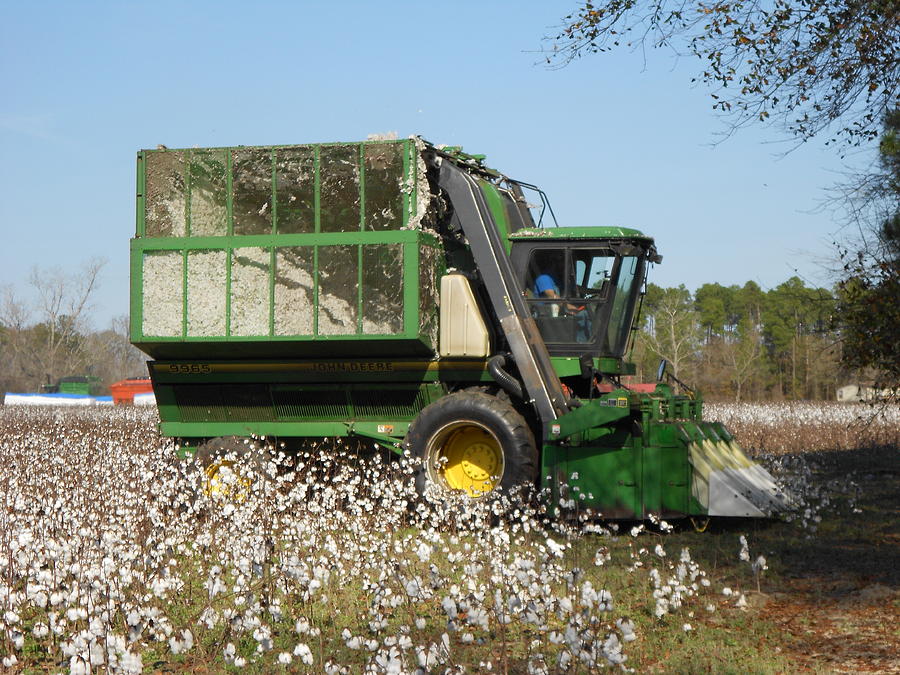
[111, 355]
[43, 339]
[674, 332]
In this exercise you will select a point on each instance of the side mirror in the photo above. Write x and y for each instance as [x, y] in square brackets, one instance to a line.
[661, 371]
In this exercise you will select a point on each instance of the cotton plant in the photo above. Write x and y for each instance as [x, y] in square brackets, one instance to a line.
[114, 557]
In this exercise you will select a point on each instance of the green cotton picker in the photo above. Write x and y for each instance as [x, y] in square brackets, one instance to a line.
[403, 294]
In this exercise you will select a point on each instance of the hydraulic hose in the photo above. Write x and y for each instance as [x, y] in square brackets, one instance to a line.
[506, 381]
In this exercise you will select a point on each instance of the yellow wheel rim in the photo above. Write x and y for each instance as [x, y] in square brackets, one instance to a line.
[465, 457]
[223, 483]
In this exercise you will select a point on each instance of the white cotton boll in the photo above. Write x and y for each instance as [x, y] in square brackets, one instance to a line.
[184, 644]
[209, 618]
[449, 607]
[424, 551]
[354, 643]
[98, 628]
[420, 623]
[467, 638]
[612, 650]
[745, 549]
[40, 630]
[97, 655]
[40, 599]
[215, 586]
[239, 662]
[478, 617]
[727, 591]
[304, 653]
[284, 658]
[77, 666]
[10, 661]
[413, 589]
[11, 618]
[602, 556]
[264, 639]
[687, 627]
[627, 628]
[660, 551]
[131, 663]
[555, 548]
[741, 602]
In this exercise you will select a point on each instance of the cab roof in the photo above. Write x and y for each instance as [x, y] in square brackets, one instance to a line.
[595, 232]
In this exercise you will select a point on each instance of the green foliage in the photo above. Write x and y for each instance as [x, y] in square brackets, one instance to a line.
[794, 310]
[869, 294]
[805, 63]
[870, 316]
[722, 308]
[739, 341]
[889, 150]
[712, 302]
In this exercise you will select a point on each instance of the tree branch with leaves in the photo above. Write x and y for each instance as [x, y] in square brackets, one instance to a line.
[803, 63]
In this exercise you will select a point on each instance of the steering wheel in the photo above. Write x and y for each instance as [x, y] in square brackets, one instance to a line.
[585, 292]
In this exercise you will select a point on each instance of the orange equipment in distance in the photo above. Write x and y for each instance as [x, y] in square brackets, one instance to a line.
[123, 391]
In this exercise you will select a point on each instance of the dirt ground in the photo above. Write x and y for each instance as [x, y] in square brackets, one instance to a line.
[838, 597]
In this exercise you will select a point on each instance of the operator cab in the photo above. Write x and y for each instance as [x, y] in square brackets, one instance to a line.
[581, 287]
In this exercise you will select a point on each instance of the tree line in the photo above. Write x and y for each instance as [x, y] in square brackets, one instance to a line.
[48, 336]
[741, 342]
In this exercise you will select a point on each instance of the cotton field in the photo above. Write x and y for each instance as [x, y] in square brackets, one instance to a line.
[113, 560]
[804, 426]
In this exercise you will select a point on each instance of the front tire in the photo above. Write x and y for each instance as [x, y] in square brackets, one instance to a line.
[473, 444]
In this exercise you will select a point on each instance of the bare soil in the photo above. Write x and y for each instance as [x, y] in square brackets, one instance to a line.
[836, 597]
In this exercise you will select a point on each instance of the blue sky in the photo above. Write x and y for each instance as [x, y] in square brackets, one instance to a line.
[615, 139]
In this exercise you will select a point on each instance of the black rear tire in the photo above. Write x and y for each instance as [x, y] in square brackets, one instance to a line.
[475, 444]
